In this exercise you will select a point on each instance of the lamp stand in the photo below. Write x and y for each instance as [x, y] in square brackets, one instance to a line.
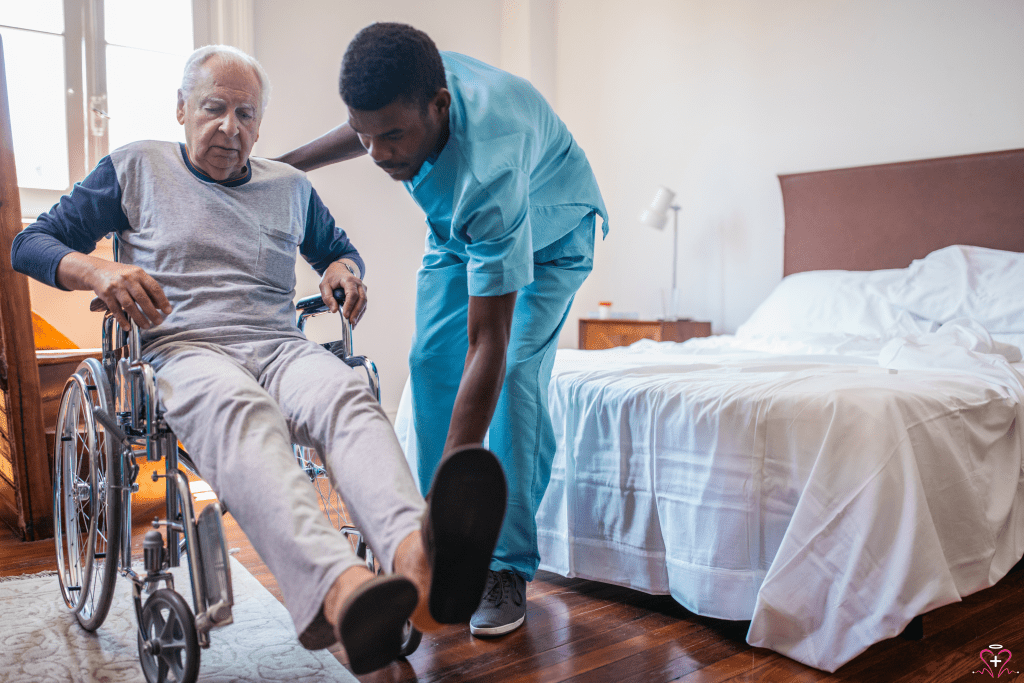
[671, 299]
[675, 240]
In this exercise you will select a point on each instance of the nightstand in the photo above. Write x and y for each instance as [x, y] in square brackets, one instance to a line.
[598, 333]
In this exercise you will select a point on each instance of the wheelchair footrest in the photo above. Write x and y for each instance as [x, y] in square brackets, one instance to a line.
[216, 572]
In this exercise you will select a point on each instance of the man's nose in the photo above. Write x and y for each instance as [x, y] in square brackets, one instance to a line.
[379, 151]
[229, 125]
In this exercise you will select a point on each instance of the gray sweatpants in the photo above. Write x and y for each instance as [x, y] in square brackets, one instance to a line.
[238, 406]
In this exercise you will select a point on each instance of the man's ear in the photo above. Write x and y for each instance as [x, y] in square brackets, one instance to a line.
[442, 100]
[180, 114]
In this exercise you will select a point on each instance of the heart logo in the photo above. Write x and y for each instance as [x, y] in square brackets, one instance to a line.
[992, 657]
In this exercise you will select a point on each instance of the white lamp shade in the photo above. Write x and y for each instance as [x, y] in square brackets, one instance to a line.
[657, 213]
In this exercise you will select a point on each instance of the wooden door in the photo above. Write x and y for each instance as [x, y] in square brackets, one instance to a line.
[25, 496]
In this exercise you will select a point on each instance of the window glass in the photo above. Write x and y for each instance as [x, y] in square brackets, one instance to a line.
[35, 91]
[142, 94]
[164, 26]
[38, 15]
[144, 45]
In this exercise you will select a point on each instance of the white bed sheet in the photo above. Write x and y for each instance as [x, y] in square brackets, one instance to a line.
[800, 484]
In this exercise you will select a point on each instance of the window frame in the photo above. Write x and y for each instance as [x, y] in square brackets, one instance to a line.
[85, 91]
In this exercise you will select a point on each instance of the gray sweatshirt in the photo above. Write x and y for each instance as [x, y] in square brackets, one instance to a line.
[223, 252]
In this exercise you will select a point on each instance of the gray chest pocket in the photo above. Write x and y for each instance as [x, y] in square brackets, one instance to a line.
[276, 262]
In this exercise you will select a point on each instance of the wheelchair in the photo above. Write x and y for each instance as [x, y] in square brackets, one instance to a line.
[110, 417]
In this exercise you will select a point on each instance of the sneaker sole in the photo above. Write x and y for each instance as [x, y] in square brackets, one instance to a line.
[490, 631]
[467, 506]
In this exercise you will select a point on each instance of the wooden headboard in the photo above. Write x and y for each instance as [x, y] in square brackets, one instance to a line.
[885, 216]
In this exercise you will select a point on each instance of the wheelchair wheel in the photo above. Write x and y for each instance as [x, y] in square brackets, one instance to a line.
[86, 502]
[168, 643]
[109, 523]
[330, 501]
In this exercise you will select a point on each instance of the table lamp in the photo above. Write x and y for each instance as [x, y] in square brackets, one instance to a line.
[656, 215]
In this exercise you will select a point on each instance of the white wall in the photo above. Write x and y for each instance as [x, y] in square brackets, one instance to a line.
[300, 44]
[710, 97]
[713, 98]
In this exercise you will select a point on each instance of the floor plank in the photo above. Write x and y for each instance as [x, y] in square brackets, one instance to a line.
[588, 632]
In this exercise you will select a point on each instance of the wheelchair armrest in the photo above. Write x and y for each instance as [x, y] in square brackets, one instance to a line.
[97, 305]
[312, 305]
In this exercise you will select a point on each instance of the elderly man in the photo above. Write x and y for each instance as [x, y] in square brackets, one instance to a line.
[208, 245]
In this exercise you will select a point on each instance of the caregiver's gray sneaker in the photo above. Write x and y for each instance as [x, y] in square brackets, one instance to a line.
[503, 607]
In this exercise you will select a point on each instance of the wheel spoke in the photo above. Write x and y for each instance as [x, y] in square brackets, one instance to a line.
[170, 630]
[177, 644]
[157, 624]
[330, 502]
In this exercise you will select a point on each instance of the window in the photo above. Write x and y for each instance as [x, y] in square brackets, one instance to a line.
[85, 77]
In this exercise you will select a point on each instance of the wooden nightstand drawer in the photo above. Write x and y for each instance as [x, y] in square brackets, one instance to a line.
[605, 334]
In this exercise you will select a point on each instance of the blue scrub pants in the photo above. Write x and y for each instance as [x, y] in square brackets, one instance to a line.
[520, 433]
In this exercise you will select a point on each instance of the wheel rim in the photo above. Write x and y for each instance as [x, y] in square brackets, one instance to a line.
[95, 384]
[74, 494]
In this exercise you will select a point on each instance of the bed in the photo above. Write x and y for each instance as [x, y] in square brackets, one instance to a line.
[850, 458]
[845, 462]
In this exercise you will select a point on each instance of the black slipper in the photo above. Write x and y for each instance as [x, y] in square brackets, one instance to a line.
[465, 508]
[372, 619]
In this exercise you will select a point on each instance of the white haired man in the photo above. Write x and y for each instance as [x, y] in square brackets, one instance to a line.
[209, 237]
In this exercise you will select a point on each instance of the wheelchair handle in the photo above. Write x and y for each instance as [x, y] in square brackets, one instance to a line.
[317, 302]
[314, 305]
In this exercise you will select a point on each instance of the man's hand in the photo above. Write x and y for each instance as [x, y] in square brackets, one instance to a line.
[128, 291]
[344, 274]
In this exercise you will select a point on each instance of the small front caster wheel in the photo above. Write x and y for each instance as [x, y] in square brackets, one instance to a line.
[411, 638]
[168, 644]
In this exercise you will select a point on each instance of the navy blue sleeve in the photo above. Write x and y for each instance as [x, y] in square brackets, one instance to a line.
[324, 242]
[75, 223]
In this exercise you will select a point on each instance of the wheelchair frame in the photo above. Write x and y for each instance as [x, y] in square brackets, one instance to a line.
[109, 415]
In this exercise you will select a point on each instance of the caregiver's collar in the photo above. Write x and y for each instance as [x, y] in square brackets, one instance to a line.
[428, 164]
[442, 140]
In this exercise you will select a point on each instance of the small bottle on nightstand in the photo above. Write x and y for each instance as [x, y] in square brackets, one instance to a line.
[604, 310]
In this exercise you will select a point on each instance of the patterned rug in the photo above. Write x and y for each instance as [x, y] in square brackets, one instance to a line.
[41, 641]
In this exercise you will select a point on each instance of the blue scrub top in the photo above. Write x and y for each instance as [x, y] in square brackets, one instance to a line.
[510, 181]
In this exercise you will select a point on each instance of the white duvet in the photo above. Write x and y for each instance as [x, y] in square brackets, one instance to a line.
[828, 489]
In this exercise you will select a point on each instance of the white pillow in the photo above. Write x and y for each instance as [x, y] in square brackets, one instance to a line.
[985, 285]
[832, 302]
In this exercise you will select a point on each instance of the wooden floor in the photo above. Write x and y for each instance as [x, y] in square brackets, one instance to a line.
[586, 631]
